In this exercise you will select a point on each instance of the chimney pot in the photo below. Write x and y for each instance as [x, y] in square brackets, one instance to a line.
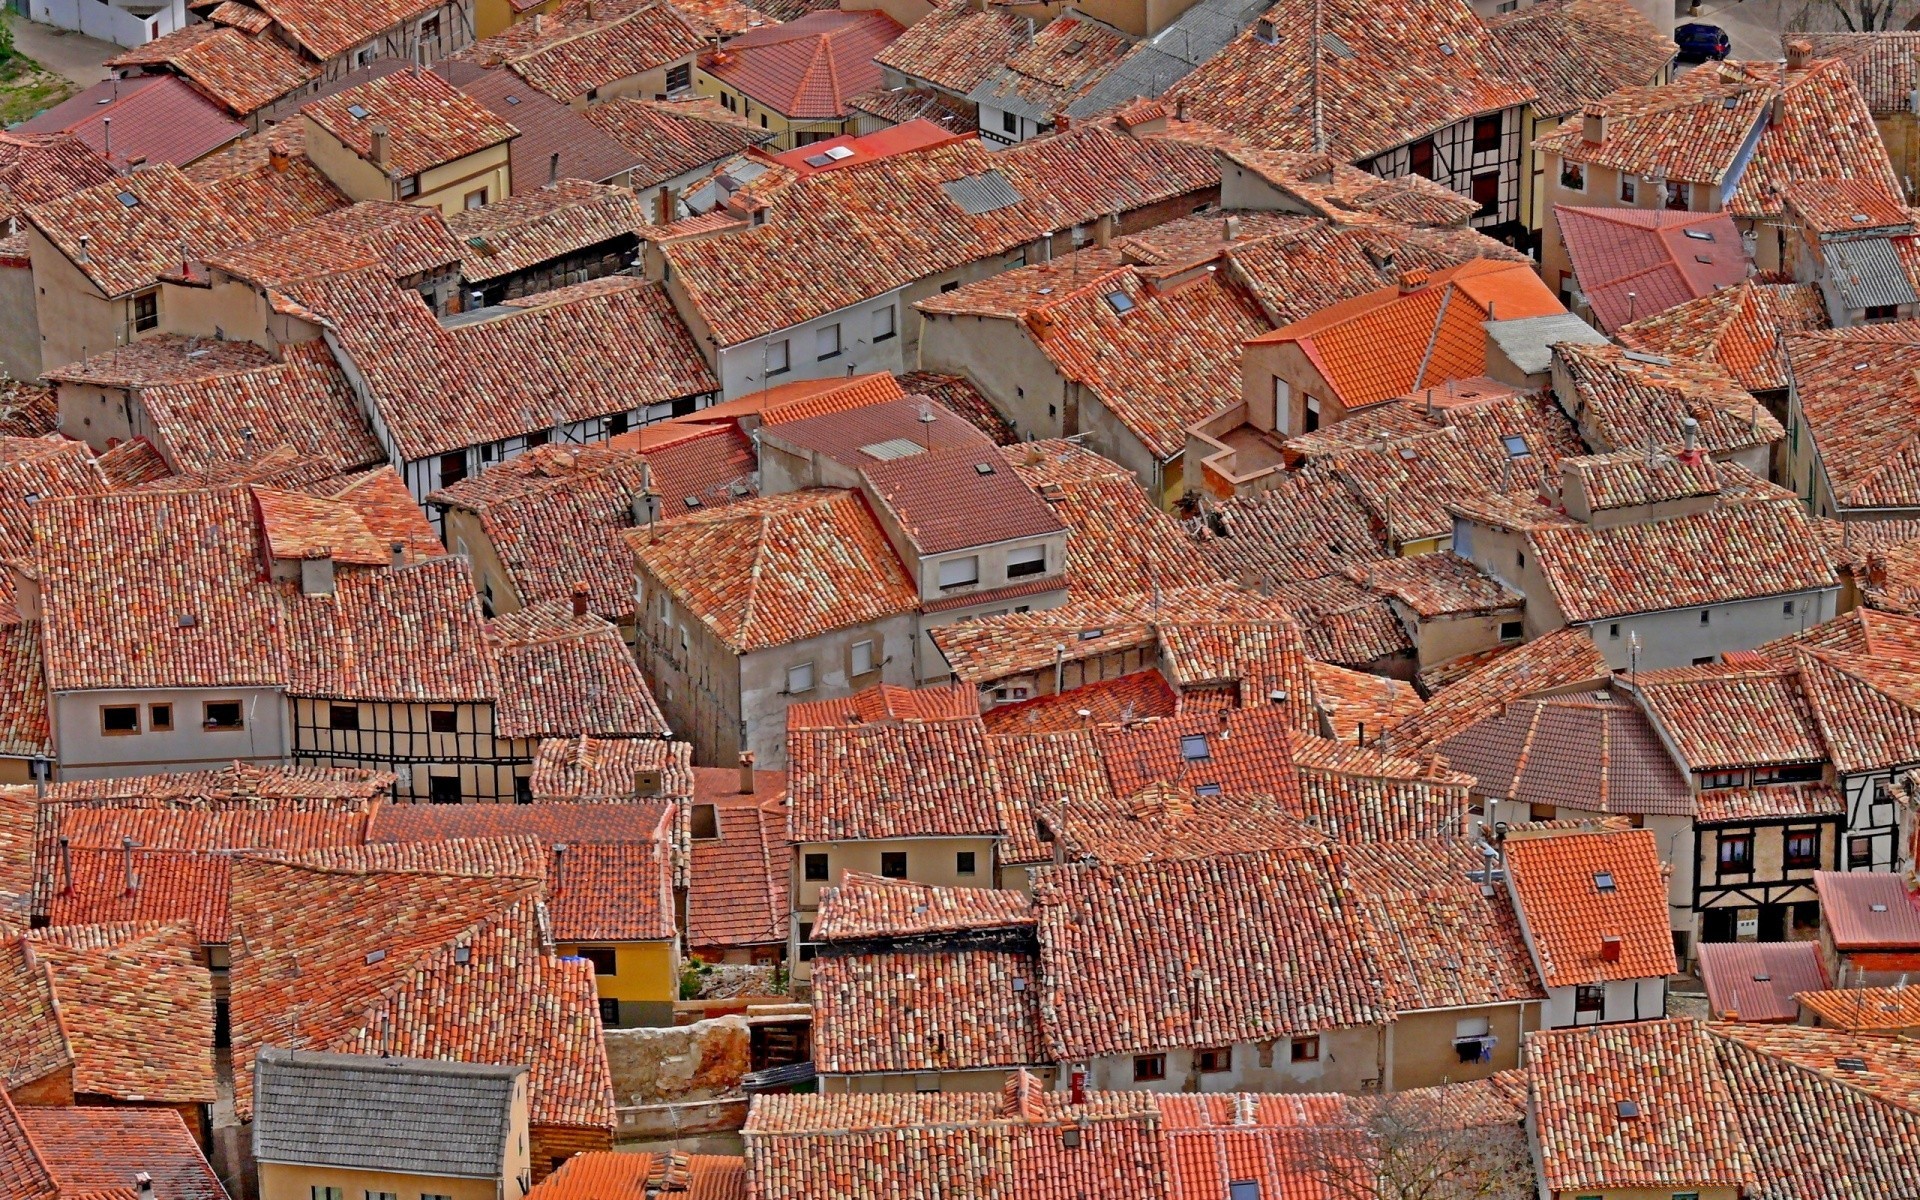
[133, 881]
[143, 1185]
[559, 864]
[746, 773]
[1412, 280]
[1180, 109]
[278, 158]
[399, 552]
[380, 151]
[1231, 227]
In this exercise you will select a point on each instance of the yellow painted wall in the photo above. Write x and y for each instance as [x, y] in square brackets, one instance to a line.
[280, 1182]
[784, 130]
[644, 971]
[444, 187]
[466, 535]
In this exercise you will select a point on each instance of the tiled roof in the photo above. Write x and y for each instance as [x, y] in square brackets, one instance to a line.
[1859, 631]
[554, 515]
[778, 569]
[806, 68]
[428, 121]
[1720, 717]
[1035, 773]
[1865, 706]
[562, 675]
[740, 891]
[911, 1009]
[538, 225]
[1853, 388]
[1667, 1070]
[547, 128]
[1742, 328]
[569, 59]
[1857, 1009]
[243, 71]
[1308, 526]
[1868, 910]
[1572, 51]
[1550, 663]
[956, 46]
[1769, 803]
[611, 1175]
[36, 167]
[1437, 585]
[123, 1008]
[1884, 65]
[325, 28]
[405, 239]
[1355, 704]
[1428, 328]
[669, 138]
[836, 238]
[303, 402]
[886, 703]
[1346, 57]
[915, 779]
[1045, 73]
[241, 784]
[911, 1146]
[1636, 263]
[1744, 552]
[1119, 541]
[1167, 820]
[866, 907]
[955, 498]
[263, 197]
[905, 104]
[1632, 478]
[590, 768]
[1135, 696]
[414, 634]
[91, 1153]
[158, 119]
[418, 965]
[1577, 890]
[1595, 752]
[1757, 981]
[129, 245]
[1333, 189]
[1361, 797]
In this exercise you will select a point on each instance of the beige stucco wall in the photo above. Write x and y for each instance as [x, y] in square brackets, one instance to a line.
[76, 320]
[1010, 371]
[225, 308]
[1348, 1059]
[465, 535]
[87, 753]
[19, 322]
[444, 187]
[1421, 1051]
[785, 131]
[647, 85]
[928, 1081]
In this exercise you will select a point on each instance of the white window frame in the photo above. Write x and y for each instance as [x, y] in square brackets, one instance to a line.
[872, 652]
[800, 678]
[779, 358]
[1023, 555]
[824, 336]
[883, 323]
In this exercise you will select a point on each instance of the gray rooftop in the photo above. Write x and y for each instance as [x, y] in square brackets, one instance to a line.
[410, 1115]
[986, 192]
[1528, 342]
[1167, 57]
[1867, 273]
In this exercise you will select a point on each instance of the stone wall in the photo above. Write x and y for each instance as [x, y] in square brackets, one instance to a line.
[680, 1064]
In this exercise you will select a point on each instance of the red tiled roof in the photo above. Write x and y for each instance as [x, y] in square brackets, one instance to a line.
[1868, 910]
[1757, 981]
[1768, 803]
[956, 46]
[263, 197]
[1856, 1009]
[740, 889]
[1551, 663]
[540, 224]
[933, 1009]
[915, 779]
[1578, 50]
[1561, 886]
[888, 703]
[243, 71]
[1595, 752]
[672, 137]
[94, 1153]
[547, 127]
[1051, 69]
[1664, 258]
[1884, 65]
[428, 121]
[954, 498]
[35, 167]
[326, 28]
[1136, 696]
[303, 402]
[1731, 716]
[569, 59]
[1347, 58]
[1356, 704]
[1854, 392]
[562, 675]
[866, 907]
[806, 69]
[1742, 328]
[158, 119]
[380, 968]
[590, 768]
[777, 569]
[610, 1175]
[128, 246]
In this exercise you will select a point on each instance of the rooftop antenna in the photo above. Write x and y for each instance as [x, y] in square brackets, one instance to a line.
[926, 419]
[1633, 659]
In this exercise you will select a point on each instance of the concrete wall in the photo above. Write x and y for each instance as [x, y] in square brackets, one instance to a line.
[745, 368]
[110, 22]
[890, 1083]
[447, 186]
[226, 308]
[19, 320]
[1443, 639]
[1677, 638]
[680, 1063]
[1348, 1059]
[1002, 361]
[85, 752]
[76, 320]
[763, 681]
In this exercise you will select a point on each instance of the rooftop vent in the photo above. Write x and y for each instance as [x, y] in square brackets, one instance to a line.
[1700, 235]
[1087, 635]
[513, 99]
[1878, 907]
[1763, 977]
[374, 956]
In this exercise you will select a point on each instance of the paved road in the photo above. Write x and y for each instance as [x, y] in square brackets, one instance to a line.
[73, 55]
[1752, 25]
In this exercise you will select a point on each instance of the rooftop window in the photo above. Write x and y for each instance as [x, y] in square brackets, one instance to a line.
[1516, 445]
[1629, 1110]
[1194, 747]
[129, 199]
[1120, 302]
[1700, 235]
[1603, 880]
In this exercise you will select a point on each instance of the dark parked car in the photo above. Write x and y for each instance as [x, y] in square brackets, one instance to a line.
[1698, 43]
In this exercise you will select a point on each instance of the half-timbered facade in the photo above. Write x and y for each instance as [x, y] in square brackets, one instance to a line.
[1758, 849]
[1481, 158]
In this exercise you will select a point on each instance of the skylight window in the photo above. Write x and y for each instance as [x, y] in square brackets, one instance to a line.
[1193, 747]
[836, 153]
[1628, 1109]
[129, 199]
[983, 468]
[1851, 1064]
[817, 160]
[356, 112]
[1207, 789]
[1087, 635]
[1516, 445]
[1700, 235]
[1603, 880]
[513, 99]
[1120, 302]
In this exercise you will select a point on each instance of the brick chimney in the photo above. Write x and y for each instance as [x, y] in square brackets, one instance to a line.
[746, 773]
[1610, 947]
[580, 599]
[1799, 50]
[278, 158]
[381, 150]
[1593, 123]
[1412, 280]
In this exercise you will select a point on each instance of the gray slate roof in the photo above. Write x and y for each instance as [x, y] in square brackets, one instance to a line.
[410, 1115]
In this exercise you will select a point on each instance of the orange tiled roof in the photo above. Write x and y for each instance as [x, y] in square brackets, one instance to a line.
[1884, 65]
[129, 245]
[1853, 388]
[326, 29]
[1551, 663]
[846, 783]
[885, 703]
[242, 69]
[1577, 890]
[1742, 328]
[591, 768]
[265, 194]
[1346, 58]
[806, 68]
[303, 402]
[1336, 190]
[532, 227]
[414, 963]
[864, 907]
[777, 569]
[429, 121]
[562, 675]
[1356, 704]
[740, 888]
[94, 1153]
[1578, 50]
[35, 167]
[1395, 340]
[672, 137]
[1048, 71]
[925, 1009]
[1136, 696]
[567, 59]
[610, 1175]
[956, 46]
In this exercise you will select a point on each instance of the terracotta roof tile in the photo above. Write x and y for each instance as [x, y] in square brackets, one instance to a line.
[157, 119]
[806, 68]
[741, 881]
[1768, 803]
[1865, 910]
[547, 128]
[326, 29]
[1455, 69]
[35, 167]
[1884, 65]
[1732, 716]
[1136, 696]
[1048, 71]
[1853, 390]
[590, 768]
[1742, 328]
[1595, 752]
[303, 402]
[419, 965]
[866, 907]
[1856, 1009]
[569, 59]
[777, 569]
[851, 782]
[93, 1153]
[1437, 585]
[1355, 704]
[1578, 50]
[562, 675]
[672, 137]
[429, 122]
[1550, 663]
[1757, 981]
[885, 703]
[953, 498]
[611, 1175]
[263, 197]
[241, 69]
[911, 1009]
[956, 47]
[129, 245]
[1577, 890]
[1634, 264]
